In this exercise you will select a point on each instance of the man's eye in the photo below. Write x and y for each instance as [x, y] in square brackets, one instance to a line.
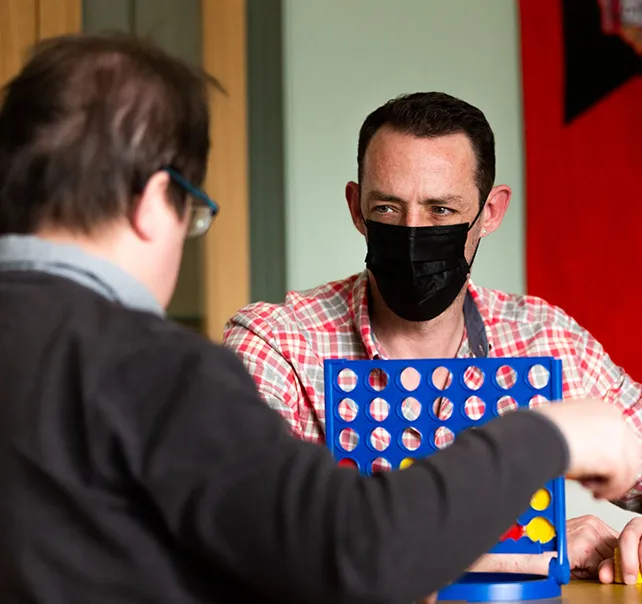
[441, 211]
[383, 209]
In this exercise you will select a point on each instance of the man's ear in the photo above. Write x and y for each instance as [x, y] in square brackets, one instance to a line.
[495, 209]
[354, 205]
[150, 213]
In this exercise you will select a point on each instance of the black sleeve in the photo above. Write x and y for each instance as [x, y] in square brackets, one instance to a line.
[236, 489]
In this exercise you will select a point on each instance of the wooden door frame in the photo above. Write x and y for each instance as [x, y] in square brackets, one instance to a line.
[227, 245]
[25, 22]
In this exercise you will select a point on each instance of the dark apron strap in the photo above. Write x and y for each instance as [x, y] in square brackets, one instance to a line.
[475, 328]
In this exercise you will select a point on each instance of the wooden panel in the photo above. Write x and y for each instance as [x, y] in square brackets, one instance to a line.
[58, 17]
[24, 22]
[227, 266]
[18, 32]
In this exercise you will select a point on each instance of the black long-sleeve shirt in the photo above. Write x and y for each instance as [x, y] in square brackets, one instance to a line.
[138, 464]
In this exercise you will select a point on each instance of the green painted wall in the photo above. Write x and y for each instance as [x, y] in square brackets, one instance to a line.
[343, 58]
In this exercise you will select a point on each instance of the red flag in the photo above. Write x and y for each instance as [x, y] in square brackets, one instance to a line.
[581, 65]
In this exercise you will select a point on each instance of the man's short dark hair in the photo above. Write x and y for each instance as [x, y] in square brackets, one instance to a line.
[433, 114]
[87, 122]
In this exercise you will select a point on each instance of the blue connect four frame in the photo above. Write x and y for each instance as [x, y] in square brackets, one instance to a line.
[350, 382]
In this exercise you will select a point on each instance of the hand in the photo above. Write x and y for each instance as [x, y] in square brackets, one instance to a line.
[590, 542]
[590, 545]
[431, 599]
[630, 544]
[604, 451]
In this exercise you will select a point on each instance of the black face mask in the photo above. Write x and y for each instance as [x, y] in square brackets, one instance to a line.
[418, 270]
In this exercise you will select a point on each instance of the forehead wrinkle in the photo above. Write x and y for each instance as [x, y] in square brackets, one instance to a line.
[394, 167]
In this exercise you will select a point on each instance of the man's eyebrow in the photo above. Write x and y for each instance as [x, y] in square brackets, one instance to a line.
[376, 195]
[444, 200]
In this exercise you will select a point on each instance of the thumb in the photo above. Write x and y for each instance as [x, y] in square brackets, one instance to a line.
[606, 571]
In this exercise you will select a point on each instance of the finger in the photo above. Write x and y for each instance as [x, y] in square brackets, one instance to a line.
[606, 486]
[622, 482]
[606, 571]
[600, 488]
[630, 550]
[592, 483]
[608, 491]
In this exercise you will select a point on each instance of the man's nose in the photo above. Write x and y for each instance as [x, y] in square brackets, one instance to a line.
[415, 217]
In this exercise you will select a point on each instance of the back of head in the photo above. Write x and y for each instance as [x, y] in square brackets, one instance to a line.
[87, 122]
[430, 115]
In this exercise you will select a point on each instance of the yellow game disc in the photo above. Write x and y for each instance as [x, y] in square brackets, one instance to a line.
[540, 529]
[617, 563]
[541, 500]
[406, 463]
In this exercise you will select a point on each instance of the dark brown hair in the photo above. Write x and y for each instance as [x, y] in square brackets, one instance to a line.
[433, 114]
[87, 122]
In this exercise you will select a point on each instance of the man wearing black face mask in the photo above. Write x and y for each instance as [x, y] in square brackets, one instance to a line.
[425, 198]
[418, 270]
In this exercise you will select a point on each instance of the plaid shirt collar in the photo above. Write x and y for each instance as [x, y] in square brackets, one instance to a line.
[475, 342]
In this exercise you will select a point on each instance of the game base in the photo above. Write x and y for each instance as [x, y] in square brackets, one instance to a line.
[504, 587]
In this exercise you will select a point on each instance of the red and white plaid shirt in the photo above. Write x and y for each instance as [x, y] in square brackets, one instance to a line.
[284, 347]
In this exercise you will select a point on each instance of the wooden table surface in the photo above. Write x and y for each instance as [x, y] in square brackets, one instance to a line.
[586, 592]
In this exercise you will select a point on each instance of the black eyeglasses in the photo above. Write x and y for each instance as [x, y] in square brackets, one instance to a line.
[204, 208]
